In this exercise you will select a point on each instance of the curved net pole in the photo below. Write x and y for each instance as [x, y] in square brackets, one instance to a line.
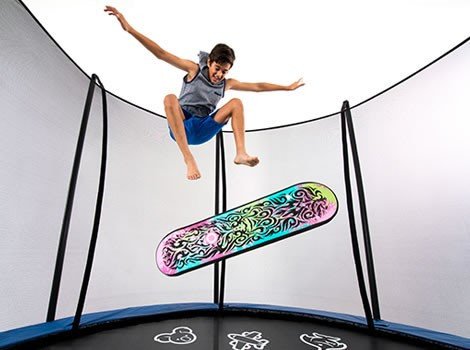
[224, 209]
[220, 177]
[374, 295]
[352, 222]
[216, 212]
[71, 193]
[99, 204]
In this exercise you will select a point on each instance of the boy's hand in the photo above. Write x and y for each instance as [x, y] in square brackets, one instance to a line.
[112, 11]
[296, 85]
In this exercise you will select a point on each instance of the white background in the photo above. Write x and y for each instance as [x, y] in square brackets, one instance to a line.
[343, 49]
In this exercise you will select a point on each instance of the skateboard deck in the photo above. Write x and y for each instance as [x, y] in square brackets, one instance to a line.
[282, 214]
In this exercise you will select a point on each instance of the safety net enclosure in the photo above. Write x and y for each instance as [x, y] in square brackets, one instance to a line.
[408, 202]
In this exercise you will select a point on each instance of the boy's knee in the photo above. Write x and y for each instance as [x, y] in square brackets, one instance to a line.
[170, 100]
[236, 103]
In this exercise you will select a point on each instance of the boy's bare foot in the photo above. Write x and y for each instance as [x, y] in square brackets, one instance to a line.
[193, 171]
[246, 159]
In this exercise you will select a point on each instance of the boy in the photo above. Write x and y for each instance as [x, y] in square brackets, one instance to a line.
[193, 117]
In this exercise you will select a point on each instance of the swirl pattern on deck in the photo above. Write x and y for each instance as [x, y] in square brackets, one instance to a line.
[252, 225]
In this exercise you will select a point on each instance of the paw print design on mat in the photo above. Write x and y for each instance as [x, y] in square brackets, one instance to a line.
[323, 342]
[179, 336]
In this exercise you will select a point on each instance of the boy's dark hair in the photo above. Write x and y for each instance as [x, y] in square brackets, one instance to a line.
[222, 54]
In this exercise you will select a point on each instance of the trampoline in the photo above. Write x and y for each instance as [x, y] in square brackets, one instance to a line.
[81, 220]
[237, 328]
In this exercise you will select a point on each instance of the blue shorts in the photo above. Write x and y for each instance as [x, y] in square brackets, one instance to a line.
[199, 129]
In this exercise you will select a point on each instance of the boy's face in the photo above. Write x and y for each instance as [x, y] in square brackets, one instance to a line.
[217, 71]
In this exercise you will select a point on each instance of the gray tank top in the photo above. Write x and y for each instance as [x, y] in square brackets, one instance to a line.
[199, 96]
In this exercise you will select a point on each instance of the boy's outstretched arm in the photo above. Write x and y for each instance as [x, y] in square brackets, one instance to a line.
[186, 65]
[258, 87]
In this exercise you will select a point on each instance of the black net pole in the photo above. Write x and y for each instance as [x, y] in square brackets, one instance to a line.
[216, 211]
[224, 209]
[364, 220]
[352, 222]
[98, 208]
[68, 208]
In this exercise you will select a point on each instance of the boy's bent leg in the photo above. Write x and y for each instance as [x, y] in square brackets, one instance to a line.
[234, 109]
[175, 118]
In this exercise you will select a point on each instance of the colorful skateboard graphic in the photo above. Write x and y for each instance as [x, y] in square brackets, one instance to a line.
[266, 220]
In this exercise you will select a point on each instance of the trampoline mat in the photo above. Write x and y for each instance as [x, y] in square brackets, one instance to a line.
[231, 333]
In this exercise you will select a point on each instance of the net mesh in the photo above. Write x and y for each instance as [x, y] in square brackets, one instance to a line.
[412, 142]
